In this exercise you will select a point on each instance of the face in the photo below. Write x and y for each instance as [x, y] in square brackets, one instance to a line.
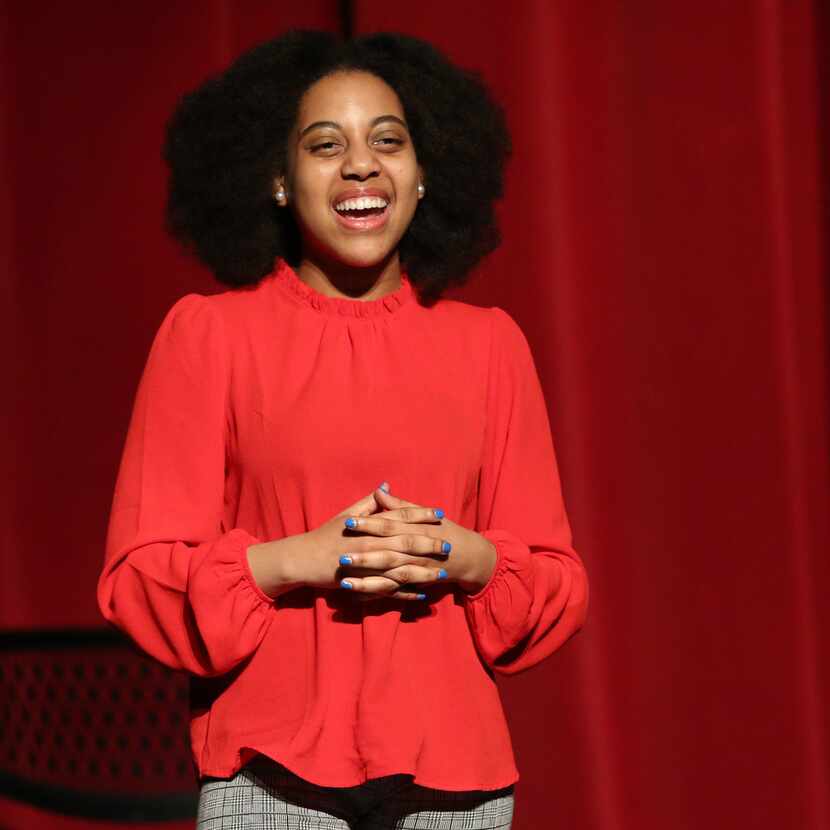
[350, 142]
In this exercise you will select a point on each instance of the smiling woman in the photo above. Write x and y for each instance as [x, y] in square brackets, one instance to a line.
[354, 180]
[233, 138]
[341, 638]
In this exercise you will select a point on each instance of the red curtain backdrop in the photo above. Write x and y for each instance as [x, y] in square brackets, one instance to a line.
[665, 226]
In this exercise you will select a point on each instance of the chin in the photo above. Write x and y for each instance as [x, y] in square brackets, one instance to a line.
[362, 256]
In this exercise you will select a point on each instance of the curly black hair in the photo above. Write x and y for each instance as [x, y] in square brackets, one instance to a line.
[226, 142]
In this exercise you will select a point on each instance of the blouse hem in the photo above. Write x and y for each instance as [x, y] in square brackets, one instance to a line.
[377, 772]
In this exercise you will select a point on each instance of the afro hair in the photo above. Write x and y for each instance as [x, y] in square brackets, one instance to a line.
[226, 142]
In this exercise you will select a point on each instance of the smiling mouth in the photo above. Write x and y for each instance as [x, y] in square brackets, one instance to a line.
[362, 219]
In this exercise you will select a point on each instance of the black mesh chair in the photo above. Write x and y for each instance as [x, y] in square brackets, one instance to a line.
[92, 727]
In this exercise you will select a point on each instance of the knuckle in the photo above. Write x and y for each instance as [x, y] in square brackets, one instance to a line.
[393, 545]
[390, 583]
[403, 577]
[428, 543]
[392, 559]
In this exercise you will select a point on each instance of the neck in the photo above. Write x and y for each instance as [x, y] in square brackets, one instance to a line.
[338, 279]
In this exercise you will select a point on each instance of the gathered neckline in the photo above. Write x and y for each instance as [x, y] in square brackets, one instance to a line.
[288, 279]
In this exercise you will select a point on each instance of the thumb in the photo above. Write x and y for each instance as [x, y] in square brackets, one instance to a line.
[389, 502]
[362, 507]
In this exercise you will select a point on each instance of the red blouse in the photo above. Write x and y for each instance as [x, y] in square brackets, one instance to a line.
[261, 413]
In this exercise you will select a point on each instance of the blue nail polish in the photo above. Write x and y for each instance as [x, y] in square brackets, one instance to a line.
[350, 523]
[421, 596]
[442, 574]
[439, 514]
[345, 560]
[446, 547]
[344, 584]
[384, 485]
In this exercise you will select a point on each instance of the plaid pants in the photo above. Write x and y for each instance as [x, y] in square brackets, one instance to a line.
[265, 795]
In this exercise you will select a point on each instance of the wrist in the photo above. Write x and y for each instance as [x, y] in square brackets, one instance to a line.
[271, 565]
[484, 564]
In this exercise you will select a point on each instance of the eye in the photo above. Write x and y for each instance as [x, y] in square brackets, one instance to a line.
[392, 140]
[323, 145]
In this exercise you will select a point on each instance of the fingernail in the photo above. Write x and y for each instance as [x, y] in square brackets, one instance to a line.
[345, 584]
[384, 485]
[345, 560]
[421, 596]
[442, 574]
[351, 523]
[446, 547]
[439, 514]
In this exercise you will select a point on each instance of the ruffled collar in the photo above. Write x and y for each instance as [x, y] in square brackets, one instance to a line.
[288, 280]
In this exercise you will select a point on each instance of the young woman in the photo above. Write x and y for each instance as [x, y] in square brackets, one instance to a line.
[342, 637]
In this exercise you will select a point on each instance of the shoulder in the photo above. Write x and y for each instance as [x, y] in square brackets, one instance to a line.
[190, 321]
[506, 329]
[211, 314]
[195, 329]
[490, 326]
[492, 318]
[510, 351]
[188, 310]
[460, 314]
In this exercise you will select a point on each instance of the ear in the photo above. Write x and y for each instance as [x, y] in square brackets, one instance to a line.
[421, 190]
[279, 185]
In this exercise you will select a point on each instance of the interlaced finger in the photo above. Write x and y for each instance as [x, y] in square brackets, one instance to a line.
[391, 551]
[413, 515]
[390, 581]
[390, 521]
[403, 541]
[379, 587]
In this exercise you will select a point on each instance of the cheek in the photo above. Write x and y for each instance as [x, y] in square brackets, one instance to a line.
[406, 174]
[406, 184]
[311, 198]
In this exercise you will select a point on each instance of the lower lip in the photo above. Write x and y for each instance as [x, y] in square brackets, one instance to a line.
[364, 223]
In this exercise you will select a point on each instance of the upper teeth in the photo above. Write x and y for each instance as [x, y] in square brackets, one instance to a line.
[362, 203]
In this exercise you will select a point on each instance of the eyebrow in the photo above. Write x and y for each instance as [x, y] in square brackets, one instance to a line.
[337, 126]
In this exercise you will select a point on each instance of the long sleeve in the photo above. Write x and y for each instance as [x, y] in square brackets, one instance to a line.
[174, 578]
[537, 595]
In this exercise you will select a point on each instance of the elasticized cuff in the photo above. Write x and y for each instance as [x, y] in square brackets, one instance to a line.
[512, 554]
[242, 540]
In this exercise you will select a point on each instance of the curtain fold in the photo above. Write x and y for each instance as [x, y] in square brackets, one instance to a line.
[664, 252]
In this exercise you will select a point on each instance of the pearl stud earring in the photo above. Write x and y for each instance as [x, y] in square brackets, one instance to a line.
[421, 191]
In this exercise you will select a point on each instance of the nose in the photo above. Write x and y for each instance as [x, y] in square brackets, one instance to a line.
[360, 162]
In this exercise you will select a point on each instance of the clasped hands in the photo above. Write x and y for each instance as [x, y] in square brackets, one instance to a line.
[406, 544]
